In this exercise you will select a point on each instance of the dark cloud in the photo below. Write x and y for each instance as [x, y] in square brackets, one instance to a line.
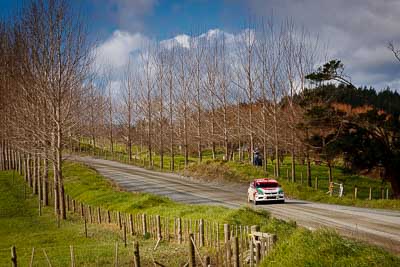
[356, 31]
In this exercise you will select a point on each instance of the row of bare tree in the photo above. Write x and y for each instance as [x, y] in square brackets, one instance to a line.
[44, 65]
[217, 91]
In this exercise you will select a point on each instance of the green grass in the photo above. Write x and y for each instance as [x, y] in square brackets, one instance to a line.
[326, 248]
[244, 172]
[21, 226]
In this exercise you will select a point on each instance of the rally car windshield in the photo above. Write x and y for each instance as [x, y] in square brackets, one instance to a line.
[267, 185]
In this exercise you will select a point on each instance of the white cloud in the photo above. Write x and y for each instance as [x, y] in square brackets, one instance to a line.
[116, 50]
[356, 31]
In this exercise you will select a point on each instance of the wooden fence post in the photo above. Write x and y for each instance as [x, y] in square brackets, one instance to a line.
[227, 232]
[192, 257]
[370, 193]
[71, 249]
[387, 193]
[136, 254]
[119, 220]
[125, 234]
[228, 253]
[131, 224]
[207, 261]
[82, 212]
[116, 254]
[258, 253]
[179, 226]
[316, 182]
[355, 192]
[158, 223]
[301, 178]
[235, 251]
[86, 235]
[14, 256]
[90, 214]
[99, 215]
[144, 224]
[251, 253]
[201, 233]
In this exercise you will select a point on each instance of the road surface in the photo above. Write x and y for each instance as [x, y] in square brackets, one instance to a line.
[379, 227]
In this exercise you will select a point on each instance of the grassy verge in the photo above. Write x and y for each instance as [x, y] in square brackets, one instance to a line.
[326, 248]
[321, 248]
[244, 172]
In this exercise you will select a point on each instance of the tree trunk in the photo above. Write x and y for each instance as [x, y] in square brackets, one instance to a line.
[213, 132]
[308, 170]
[56, 190]
[199, 137]
[149, 135]
[55, 177]
[293, 163]
[35, 176]
[45, 182]
[39, 179]
[29, 170]
[59, 173]
[226, 134]
[185, 136]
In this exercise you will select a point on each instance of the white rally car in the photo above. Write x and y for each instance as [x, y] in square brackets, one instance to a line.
[261, 190]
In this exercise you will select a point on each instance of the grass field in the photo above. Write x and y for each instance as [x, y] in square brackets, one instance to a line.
[25, 229]
[244, 172]
[21, 226]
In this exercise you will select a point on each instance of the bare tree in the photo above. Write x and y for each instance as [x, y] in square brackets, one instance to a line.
[160, 62]
[198, 51]
[171, 102]
[246, 72]
[57, 59]
[128, 95]
[147, 86]
[184, 81]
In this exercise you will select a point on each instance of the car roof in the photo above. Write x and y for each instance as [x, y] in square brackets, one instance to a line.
[265, 180]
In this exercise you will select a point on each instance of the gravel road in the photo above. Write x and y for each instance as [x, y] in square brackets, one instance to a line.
[380, 227]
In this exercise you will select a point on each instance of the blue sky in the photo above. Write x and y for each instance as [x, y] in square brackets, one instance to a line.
[354, 31]
[163, 19]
